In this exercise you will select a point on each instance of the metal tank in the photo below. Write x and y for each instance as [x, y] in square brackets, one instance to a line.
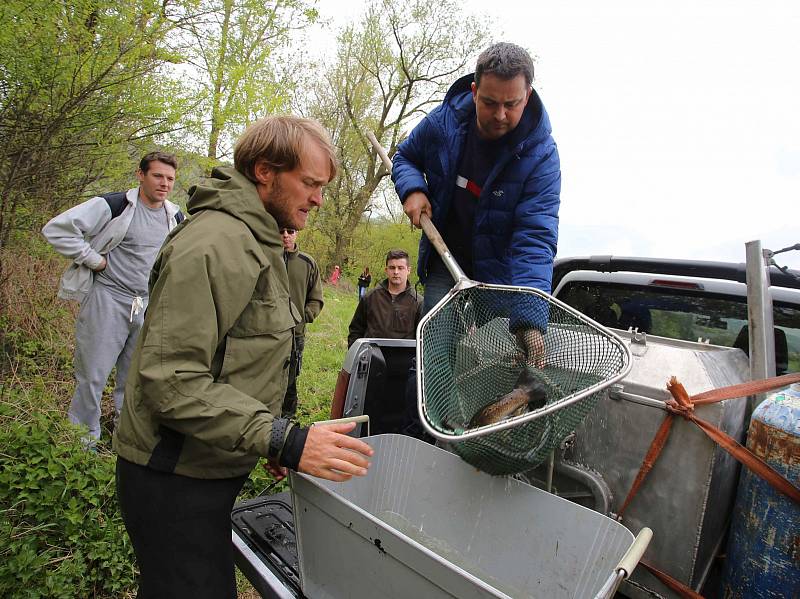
[688, 496]
[763, 557]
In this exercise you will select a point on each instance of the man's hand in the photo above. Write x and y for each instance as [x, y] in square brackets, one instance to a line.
[102, 266]
[532, 345]
[278, 472]
[416, 204]
[330, 454]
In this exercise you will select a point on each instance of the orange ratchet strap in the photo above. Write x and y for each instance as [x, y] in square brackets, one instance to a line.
[671, 583]
[683, 405]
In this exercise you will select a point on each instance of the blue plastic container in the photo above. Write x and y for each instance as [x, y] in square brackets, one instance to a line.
[763, 552]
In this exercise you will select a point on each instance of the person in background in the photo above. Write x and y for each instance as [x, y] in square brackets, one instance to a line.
[393, 309]
[484, 167]
[364, 281]
[305, 290]
[112, 241]
[208, 378]
[334, 278]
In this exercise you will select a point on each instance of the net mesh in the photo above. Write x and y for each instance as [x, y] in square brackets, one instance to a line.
[470, 359]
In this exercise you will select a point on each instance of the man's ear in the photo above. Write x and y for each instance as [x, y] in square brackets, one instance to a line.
[263, 173]
[474, 91]
[140, 175]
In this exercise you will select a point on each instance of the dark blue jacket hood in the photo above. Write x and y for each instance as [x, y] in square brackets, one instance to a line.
[534, 126]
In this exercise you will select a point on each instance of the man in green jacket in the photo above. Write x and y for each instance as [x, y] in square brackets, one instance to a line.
[206, 384]
[305, 289]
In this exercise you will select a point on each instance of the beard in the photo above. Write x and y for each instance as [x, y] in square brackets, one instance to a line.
[280, 207]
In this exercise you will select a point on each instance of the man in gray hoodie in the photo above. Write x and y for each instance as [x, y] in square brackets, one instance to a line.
[112, 241]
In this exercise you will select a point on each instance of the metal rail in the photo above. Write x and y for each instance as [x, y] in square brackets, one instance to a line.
[759, 317]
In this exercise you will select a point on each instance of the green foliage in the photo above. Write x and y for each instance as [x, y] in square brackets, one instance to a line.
[34, 328]
[60, 530]
[391, 67]
[81, 90]
[232, 47]
[368, 246]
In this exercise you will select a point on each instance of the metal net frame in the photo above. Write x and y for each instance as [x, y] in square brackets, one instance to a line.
[468, 358]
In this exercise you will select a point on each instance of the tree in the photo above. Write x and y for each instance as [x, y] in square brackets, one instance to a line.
[232, 47]
[82, 86]
[390, 68]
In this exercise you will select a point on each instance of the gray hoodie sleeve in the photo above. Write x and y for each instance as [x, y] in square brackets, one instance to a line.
[68, 232]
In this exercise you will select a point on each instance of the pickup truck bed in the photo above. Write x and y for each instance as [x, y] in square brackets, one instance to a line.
[375, 375]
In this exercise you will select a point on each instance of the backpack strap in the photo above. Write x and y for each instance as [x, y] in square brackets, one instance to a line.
[116, 202]
[179, 217]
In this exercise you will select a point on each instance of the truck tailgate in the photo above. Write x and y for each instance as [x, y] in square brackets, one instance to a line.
[264, 545]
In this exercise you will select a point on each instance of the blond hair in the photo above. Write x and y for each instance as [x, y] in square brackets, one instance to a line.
[280, 141]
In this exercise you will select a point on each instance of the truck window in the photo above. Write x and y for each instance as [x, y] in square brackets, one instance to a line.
[689, 315]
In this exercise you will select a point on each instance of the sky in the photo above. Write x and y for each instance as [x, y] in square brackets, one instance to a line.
[677, 123]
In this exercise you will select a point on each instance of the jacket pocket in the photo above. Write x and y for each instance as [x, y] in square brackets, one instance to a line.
[268, 312]
[262, 317]
[257, 353]
[76, 282]
[259, 344]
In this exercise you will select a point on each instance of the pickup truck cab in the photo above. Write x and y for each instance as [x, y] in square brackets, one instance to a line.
[680, 299]
[684, 318]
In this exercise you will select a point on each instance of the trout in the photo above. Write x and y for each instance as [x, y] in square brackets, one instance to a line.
[528, 393]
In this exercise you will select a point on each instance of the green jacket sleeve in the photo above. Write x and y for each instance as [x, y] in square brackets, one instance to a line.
[199, 291]
[314, 301]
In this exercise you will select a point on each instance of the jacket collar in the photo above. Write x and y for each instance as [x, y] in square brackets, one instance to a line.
[229, 191]
[409, 289]
[132, 197]
[294, 250]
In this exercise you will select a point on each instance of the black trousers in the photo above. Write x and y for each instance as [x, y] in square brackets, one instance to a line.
[180, 528]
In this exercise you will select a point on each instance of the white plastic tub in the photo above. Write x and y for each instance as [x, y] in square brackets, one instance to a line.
[424, 524]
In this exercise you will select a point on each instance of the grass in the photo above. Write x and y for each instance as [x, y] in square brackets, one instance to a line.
[326, 346]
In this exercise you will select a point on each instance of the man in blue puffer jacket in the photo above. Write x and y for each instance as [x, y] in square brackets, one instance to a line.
[484, 167]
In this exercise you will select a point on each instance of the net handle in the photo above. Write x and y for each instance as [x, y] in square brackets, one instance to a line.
[431, 232]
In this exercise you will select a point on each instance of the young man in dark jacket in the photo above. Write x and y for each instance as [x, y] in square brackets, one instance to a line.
[393, 309]
[484, 167]
[208, 378]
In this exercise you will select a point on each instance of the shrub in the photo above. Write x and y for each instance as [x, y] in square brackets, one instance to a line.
[60, 529]
[61, 534]
[36, 328]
